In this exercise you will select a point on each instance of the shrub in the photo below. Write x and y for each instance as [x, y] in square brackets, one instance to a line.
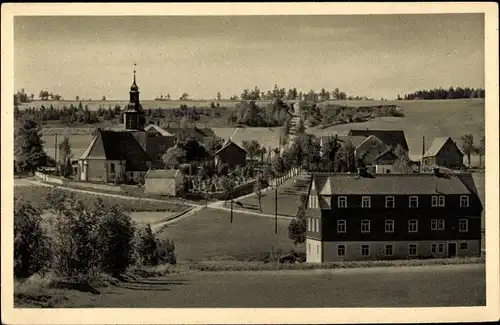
[150, 251]
[31, 244]
[115, 235]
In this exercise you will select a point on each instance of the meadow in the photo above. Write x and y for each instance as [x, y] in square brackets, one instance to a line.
[209, 235]
[429, 119]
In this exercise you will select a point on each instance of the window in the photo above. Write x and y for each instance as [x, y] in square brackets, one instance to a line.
[463, 225]
[437, 201]
[412, 250]
[365, 202]
[463, 245]
[434, 224]
[441, 201]
[389, 226]
[159, 158]
[365, 250]
[441, 224]
[313, 202]
[309, 227]
[365, 225]
[112, 168]
[433, 248]
[162, 146]
[342, 202]
[389, 250]
[389, 202]
[341, 226]
[413, 202]
[341, 250]
[413, 225]
[434, 201]
[317, 225]
[313, 224]
[464, 201]
[441, 248]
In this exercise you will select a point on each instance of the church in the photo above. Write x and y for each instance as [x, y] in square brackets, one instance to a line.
[118, 156]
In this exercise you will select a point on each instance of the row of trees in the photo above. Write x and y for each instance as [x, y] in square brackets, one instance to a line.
[440, 93]
[68, 114]
[294, 94]
[79, 243]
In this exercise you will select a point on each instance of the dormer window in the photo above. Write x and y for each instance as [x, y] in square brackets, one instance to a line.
[342, 202]
[464, 201]
[413, 202]
[365, 202]
[389, 202]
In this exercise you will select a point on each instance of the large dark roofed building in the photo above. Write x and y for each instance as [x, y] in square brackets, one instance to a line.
[392, 138]
[392, 216]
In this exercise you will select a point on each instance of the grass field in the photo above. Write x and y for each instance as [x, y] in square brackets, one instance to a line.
[439, 286]
[38, 195]
[423, 118]
[208, 234]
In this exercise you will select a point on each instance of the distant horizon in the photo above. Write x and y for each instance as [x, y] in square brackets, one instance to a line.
[363, 55]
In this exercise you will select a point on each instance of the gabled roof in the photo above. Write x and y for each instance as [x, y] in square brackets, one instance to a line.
[227, 144]
[158, 129]
[387, 155]
[437, 145]
[394, 184]
[162, 173]
[370, 149]
[117, 145]
[208, 132]
[389, 137]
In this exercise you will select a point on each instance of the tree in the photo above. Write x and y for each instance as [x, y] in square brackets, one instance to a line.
[403, 163]
[184, 96]
[252, 147]
[32, 252]
[298, 226]
[115, 233]
[227, 184]
[29, 146]
[481, 149]
[218, 95]
[174, 157]
[65, 149]
[258, 190]
[467, 145]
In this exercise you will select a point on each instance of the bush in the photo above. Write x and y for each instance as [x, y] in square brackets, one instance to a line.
[32, 252]
[150, 251]
[115, 233]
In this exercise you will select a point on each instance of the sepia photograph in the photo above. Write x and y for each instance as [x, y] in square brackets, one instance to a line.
[250, 159]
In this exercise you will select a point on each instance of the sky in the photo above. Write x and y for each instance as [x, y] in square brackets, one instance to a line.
[365, 55]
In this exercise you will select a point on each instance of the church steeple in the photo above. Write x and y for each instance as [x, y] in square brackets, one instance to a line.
[134, 116]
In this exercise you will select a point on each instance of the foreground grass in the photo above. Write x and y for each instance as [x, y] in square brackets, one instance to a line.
[214, 266]
[38, 196]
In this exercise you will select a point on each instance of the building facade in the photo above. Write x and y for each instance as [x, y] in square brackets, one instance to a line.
[392, 216]
[443, 152]
[230, 154]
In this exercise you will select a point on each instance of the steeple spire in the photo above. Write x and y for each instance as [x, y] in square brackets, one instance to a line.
[134, 86]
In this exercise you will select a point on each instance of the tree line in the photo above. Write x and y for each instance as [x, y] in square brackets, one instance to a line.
[294, 94]
[441, 93]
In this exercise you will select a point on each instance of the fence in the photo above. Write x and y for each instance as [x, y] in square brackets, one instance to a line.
[278, 181]
[240, 190]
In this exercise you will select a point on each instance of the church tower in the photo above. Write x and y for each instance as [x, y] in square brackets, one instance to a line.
[133, 117]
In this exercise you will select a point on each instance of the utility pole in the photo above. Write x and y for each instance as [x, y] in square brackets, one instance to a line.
[55, 153]
[231, 203]
[276, 210]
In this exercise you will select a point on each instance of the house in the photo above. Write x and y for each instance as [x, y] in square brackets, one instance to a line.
[392, 216]
[368, 150]
[392, 138]
[113, 156]
[230, 154]
[384, 162]
[163, 182]
[157, 143]
[443, 152]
